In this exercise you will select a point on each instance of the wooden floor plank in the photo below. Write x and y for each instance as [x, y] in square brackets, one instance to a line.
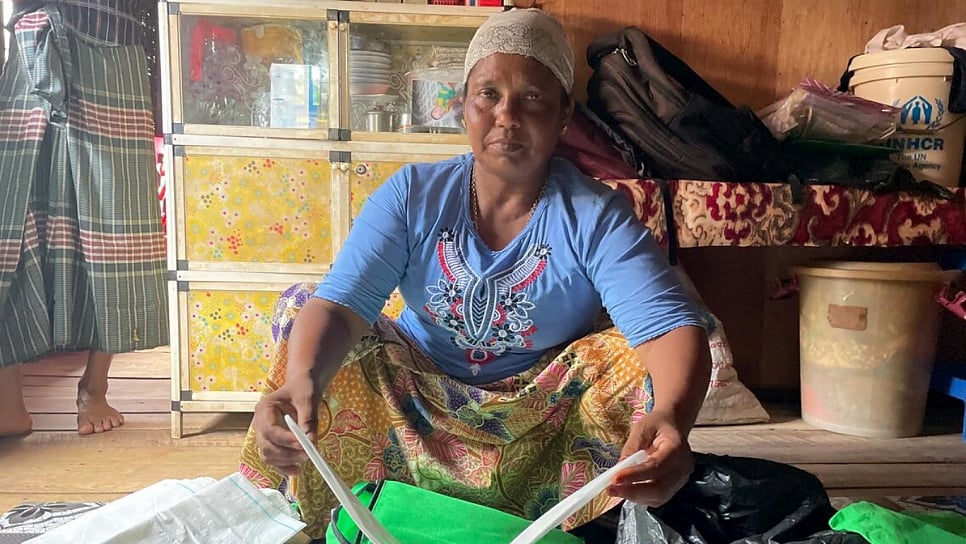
[888, 475]
[193, 423]
[58, 394]
[122, 439]
[119, 369]
[54, 463]
[154, 363]
[875, 493]
[221, 430]
[59, 385]
[817, 446]
[58, 405]
[62, 467]
[68, 422]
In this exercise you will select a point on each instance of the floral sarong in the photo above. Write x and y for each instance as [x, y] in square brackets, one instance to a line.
[520, 444]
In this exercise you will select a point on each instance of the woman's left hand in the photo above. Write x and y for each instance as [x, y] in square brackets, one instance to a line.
[668, 466]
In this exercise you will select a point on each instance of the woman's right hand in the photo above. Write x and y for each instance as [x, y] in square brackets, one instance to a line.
[278, 446]
[310, 367]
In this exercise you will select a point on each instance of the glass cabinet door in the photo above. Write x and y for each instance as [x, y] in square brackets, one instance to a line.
[404, 75]
[258, 72]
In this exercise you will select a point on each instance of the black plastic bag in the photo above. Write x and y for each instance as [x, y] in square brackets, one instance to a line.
[738, 500]
[828, 163]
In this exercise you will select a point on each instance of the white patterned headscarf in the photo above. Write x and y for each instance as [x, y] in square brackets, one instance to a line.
[528, 32]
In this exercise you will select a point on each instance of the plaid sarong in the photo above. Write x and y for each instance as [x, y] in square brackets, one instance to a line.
[82, 254]
[520, 444]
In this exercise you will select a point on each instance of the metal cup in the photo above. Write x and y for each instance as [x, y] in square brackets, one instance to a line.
[378, 121]
[403, 121]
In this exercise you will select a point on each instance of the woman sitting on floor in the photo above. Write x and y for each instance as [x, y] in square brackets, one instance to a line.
[505, 257]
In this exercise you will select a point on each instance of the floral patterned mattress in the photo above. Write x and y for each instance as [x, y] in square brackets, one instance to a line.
[711, 213]
[28, 520]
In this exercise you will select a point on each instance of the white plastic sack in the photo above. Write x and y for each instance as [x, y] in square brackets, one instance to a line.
[895, 37]
[202, 511]
[728, 401]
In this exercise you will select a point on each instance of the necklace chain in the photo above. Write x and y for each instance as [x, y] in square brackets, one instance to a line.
[475, 203]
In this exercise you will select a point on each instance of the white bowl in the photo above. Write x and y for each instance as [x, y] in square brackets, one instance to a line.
[370, 55]
[369, 65]
[369, 73]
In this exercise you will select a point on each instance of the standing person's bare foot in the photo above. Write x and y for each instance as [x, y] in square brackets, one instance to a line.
[14, 418]
[94, 414]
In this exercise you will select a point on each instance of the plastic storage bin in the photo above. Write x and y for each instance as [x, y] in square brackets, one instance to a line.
[868, 339]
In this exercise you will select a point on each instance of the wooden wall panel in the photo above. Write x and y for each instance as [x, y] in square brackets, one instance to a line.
[586, 20]
[732, 45]
[753, 51]
[819, 37]
[737, 285]
[740, 305]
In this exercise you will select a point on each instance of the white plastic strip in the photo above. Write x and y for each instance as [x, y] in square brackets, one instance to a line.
[364, 519]
[565, 508]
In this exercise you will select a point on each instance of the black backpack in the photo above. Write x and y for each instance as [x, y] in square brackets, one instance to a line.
[675, 125]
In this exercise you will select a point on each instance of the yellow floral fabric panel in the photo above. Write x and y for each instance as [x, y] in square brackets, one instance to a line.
[230, 339]
[394, 306]
[366, 177]
[258, 210]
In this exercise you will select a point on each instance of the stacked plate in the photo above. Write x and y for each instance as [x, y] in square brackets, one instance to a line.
[368, 72]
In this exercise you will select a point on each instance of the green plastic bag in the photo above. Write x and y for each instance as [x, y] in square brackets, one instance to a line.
[883, 526]
[419, 516]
